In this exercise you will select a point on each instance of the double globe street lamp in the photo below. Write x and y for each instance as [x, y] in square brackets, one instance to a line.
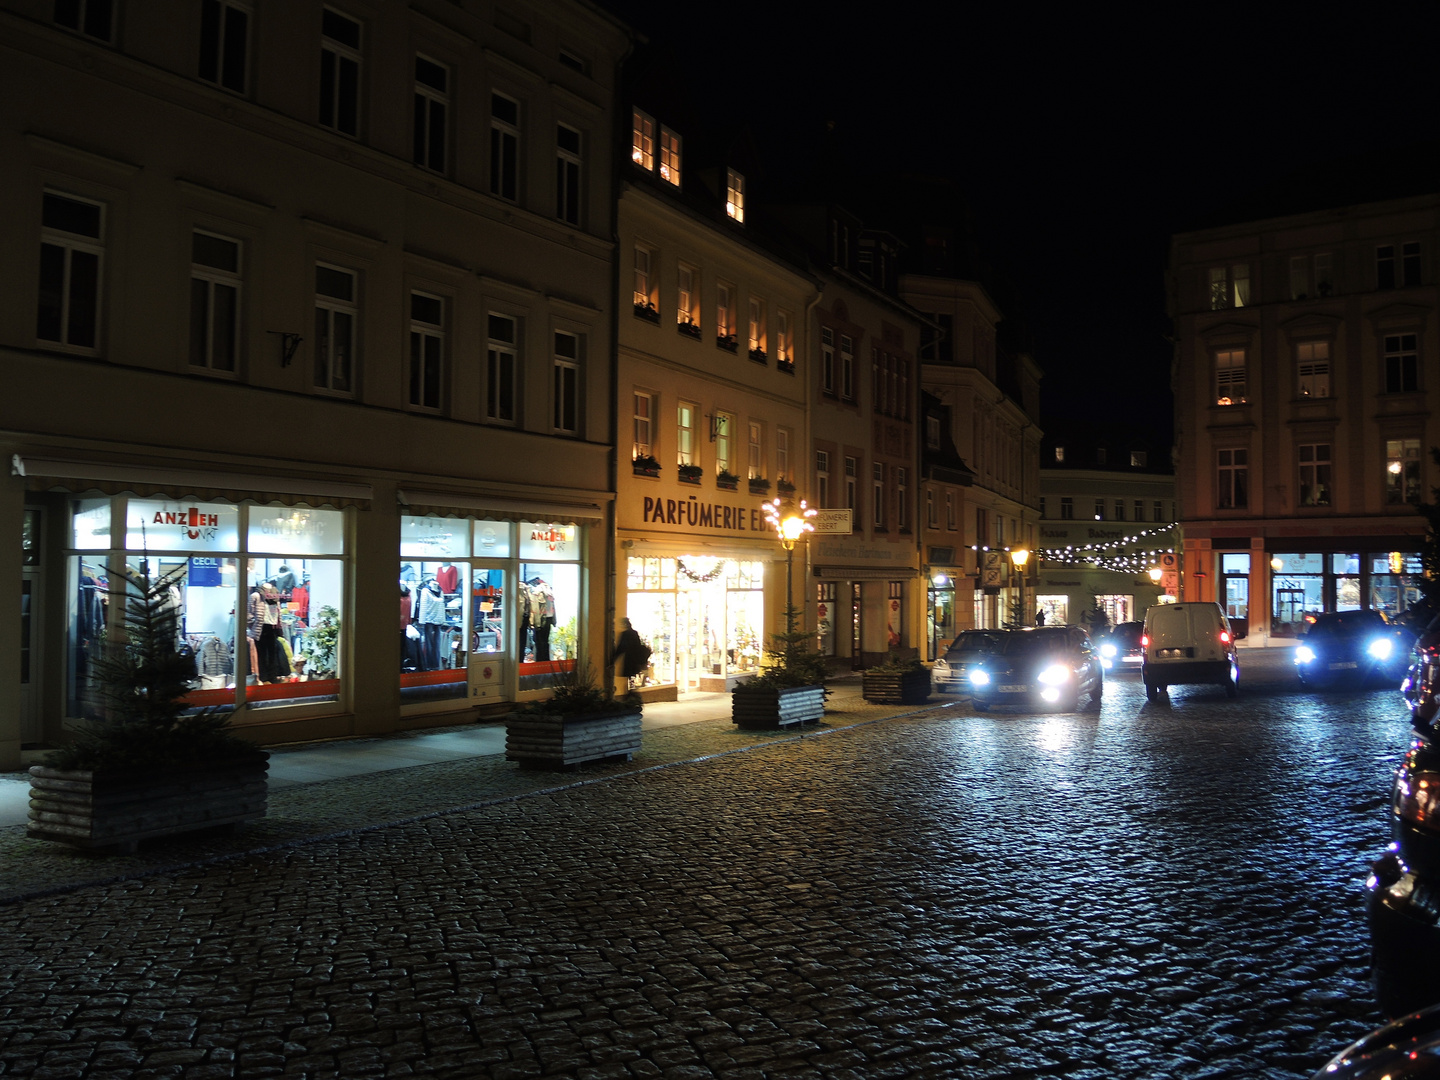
[790, 524]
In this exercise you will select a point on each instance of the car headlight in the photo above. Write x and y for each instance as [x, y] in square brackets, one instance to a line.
[1108, 649]
[1304, 654]
[979, 677]
[1055, 674]
[1380, 648]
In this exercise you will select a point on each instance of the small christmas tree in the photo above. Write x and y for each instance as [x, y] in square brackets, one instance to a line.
[791, 659]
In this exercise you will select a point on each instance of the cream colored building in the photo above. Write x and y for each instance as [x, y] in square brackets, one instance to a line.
[310, 305]
[1305, 407]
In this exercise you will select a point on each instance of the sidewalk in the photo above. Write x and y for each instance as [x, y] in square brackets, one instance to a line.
[336, 788]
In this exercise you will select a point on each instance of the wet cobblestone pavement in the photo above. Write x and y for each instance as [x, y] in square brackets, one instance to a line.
[1164, 890]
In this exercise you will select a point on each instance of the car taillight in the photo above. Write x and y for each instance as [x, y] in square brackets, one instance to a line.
[1417, 797]
[1225, 637]
[1144, 641]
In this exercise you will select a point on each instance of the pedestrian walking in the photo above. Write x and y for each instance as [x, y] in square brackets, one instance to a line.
[633, 654]
[1040, 616]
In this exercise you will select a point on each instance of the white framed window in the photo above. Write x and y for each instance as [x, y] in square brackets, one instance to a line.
[642, 140]
[1138, 459]
[782, 455]
[567, 383]
[902, 494]
[950, 511]
[1312, 368]
[852, 485]
[877, 493]
[1159, 509]
[827, 360]
[72, 251]
[1099, 509]
[669, 156]
[1119, 509]
[822, 477]
[567, 174]
[725, 311]
[1402, 471]
[339, 72]
[687, 302]
[1310, 276]
[686, 452]
[504, 146]
[1232, 489]
[432, 106]
[427, 349]
[847, 368]
[642, 444]
[930, 518]
[336, 318]
[1229, 286]
[757, 327]
[724, 443]
[225, 43]
[1410, 263]
[1139, 509]
[646, 291]
[93, 18]
[1067, 508]
[502, 369]
[1230, 377]
[735, 195]
[784, 344]
[1314, 461]
[1402, 363]
[755, 455]
[1385, 266]
[214, 301]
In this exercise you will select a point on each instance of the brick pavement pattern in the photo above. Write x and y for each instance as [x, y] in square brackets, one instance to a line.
[1139, 891]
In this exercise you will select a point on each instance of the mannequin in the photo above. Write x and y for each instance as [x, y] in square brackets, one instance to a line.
[526, 608]
[410, 654]
[285, 580]
[542, 603]
[448, 577]
[430, 614]
[263, 631]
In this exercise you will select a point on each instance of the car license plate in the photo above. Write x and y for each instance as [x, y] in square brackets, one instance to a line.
[1013, 689]
[1345, 664]
[1166, 654]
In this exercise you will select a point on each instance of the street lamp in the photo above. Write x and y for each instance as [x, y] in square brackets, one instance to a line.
[789, 527]
[1155, 574]
[1020, 556]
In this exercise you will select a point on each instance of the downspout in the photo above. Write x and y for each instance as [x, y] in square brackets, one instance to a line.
[808, 443]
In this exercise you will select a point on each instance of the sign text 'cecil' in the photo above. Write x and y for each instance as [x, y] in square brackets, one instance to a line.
[694, 514]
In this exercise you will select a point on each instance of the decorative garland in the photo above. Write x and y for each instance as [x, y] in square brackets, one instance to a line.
[718, 569]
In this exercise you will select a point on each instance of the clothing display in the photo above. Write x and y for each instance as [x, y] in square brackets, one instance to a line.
[285, 579]
[300, 602]
[448, 578]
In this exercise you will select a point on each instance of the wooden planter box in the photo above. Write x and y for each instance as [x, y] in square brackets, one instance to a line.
[559, 742]
[115, 810]
[896, 687]
[764, 708]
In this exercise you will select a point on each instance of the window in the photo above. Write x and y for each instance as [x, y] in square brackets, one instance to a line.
[724, 446]
[573, 61]
[642, 140]
[757, 327]
[1101, 453]
[1410, 264]
[1232, 489]
[877, 493]
[735, 195]
[1312, 368]
[1385, 266]
[1402, 471]
[1067, 508]
[1229, 286]
[1402, 364]
[339, 72]
[1159, 509]
[1139, 510]
[432, 99]
[827, 360]
[950, 511]
[852, 478]
[1042, 506]
[504, 146]
[932, 433]
[644, 416]
[847, 368]
[902, 490]
[687, 305]
[646, 290]
[782, 455]
[224, 33]
[1119, 509]
[427, 349]
[784, 346]
[822, 478]
[567, 383]
[501, 369]
[71, 231]
[214, 301]
[1099, 509]
[567, 174]
[335, 316]
[930, 519]
[725, 311]
[669, 156]
[1059, 453]
[755, 459]
[1138, 458]
[1314, 474]
[1310, 276]
[93, 18]
[1230, 377]
[685, 434]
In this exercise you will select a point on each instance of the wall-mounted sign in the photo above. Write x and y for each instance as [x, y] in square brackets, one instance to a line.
[992, 569]
[833, 521]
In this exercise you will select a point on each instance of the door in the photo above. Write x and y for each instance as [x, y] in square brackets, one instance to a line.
[857, 626]
[31, 594]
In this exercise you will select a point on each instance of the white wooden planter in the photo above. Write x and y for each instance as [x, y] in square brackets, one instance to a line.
[558, 742]
[116, 809]
[757, 708]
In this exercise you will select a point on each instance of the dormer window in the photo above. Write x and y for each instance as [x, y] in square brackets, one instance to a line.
[669, 156]
[1137, 461]
[735, 195]
[1059, 453]
[642, 141]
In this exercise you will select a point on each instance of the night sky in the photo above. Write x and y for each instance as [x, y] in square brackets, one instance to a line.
[1081, 139]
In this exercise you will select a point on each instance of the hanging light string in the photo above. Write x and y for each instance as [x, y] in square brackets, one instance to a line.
[1122, 556]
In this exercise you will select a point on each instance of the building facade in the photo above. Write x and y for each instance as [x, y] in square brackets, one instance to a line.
[311, 310]
[1306, 398]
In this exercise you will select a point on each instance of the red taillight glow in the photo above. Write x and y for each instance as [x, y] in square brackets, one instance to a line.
[1225, 637]
[1144, 641]
[1417, 797]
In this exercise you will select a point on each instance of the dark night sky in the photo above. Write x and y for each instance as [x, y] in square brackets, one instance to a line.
[1081, 139]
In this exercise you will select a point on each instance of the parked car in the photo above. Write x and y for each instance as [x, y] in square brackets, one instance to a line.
[1188, 642]
[1422, 680]
[951, 672]
[1119, 647]
[1404, 1049]
[1351, 647]
[1039, 667]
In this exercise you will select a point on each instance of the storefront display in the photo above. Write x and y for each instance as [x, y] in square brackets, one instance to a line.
[434, 617]
[703, 617]
[547, 603]
[1307, 583]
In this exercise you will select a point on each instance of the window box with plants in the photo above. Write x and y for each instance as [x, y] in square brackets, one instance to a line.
[144, 765]
[759, 485]
[727, 342]
[726, 480]
[785, 366]
[784, 487]
[789, 691]
[689, 329]
[577, 724]
[689, 474]
[647, 311]
[645, 465]
[759, 356]
[898, 681]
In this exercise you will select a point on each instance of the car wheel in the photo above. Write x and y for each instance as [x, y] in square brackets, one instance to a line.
[1152, 692]
[1098, 691]
[1232, 688]
[979, 706]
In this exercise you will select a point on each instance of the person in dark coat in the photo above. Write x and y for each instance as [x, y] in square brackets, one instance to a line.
[633, 654]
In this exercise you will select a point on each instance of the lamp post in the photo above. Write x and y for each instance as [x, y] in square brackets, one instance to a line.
[1155, 574]
[1020, 556]
[789, 527]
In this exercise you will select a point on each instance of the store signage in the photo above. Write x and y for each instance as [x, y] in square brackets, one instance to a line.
[203, 573]
[833, 521]
[541, 540]
[693, 514]
[992, 569]
[159, 526]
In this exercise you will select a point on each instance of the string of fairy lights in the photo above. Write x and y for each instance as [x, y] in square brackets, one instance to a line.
[1126, 555]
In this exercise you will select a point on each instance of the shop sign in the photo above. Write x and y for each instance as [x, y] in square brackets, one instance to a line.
[833, 521]
[178, 526]
[692, 514]
[551, 543]
[297, 530]
[204, 573]
[861, 552]
[434, 537]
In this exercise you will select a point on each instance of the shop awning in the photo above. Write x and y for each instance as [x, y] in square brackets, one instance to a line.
[442, 504]
[115, 478]
[866, 573]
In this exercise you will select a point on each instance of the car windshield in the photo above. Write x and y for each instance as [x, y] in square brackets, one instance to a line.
[1127, 631]
[970, 642]
[1035, 641]
[1346, 624]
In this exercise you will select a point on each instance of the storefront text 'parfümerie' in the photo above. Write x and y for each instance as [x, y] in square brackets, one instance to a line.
[693, 514]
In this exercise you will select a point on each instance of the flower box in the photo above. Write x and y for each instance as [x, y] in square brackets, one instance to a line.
[112, 810]
[689, 478]
[759, 486]
[645, 466]
[759, 356]
[689, 329]
[896, 687]
[647, 312]
[785, 366]
[559, 741]
[727, 483]
[727, 342]
[764, 708]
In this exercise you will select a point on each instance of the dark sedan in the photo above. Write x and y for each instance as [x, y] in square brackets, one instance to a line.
[1120, 648]
[1351, 647]
[1049, 667]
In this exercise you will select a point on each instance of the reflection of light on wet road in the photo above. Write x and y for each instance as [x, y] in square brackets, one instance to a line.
[1054, 734]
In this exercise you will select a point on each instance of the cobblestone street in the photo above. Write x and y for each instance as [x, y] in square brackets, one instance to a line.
[1169, 890]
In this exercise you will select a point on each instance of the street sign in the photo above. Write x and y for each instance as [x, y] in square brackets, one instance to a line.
[992, 568]
[832, 521]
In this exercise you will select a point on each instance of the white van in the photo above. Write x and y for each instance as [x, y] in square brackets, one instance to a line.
[1188, 643]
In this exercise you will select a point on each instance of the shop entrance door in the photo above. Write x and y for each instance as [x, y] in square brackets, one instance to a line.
[31, 592]
[690, 649]
[857, 626]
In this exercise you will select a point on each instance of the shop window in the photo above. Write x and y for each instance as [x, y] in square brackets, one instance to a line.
[435, 637]
[501, 369]
[339, 72]
[432, 104]
[1396, 581]
[1297, 589]
[427, 349]
[567, 174]
[71, 255]
[1235, 575]
[336, 316]
[93, 18]
[224, 42]
[1402, 471]
[1314, 474]
[547, 603]
[567, 383]
[504, 146]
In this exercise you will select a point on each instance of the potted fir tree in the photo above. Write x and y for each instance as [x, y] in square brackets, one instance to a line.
[790, 690]
[578, 723]
[144, 764]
